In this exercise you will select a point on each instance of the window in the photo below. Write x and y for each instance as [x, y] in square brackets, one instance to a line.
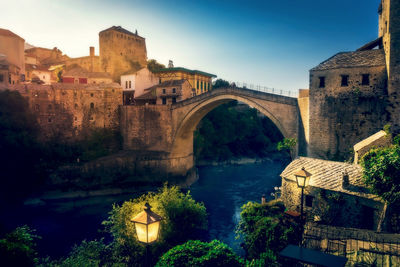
[197, 85]
[92, 105]
[164, 101]
[1, 78]
[173, 90]
[76, 118]
[201, 86]
[321, 82]
[163, 91]
[49, 107]
[130, 84]
[159, 80]
[208, 86]
[345, 80]
[91, 118]
[91, 95]
[76, 106]
[126, 84]
[37, 107]
[309, 201]
[173, 100]
[365, 79]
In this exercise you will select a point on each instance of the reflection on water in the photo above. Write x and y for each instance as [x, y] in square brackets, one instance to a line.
[223, 189]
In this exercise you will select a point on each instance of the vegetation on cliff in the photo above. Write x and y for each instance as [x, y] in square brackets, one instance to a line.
[26, 158]
[233, 130]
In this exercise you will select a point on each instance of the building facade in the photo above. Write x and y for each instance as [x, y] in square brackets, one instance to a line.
[200, 81]
[134, 84]
[12, 55]
[121, 51]
[354, 94]
[335, 195]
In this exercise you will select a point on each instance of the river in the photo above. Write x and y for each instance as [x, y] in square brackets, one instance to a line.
[223, 189]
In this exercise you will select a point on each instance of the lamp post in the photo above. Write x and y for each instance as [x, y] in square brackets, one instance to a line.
[147, 225]
[302, 179]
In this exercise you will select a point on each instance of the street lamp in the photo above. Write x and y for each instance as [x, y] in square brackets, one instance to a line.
[302, 179]
[147, 225]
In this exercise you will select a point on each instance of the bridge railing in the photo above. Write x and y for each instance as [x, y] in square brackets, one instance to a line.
[265, 89]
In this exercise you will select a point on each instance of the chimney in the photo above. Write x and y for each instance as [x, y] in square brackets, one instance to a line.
[345, 180]
[91, 51]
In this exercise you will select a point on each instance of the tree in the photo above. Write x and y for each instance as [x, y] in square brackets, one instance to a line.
[220, 83]
[184, 219]
[197, 253]
[288, 144]
[18, 248]
[19, 147]
[153, 65]
[381, 172]
[265, 231]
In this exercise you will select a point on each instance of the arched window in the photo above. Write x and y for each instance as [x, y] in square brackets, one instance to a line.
[91, 105]
[173, 90]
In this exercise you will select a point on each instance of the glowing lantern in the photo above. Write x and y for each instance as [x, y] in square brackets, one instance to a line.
[147, 225]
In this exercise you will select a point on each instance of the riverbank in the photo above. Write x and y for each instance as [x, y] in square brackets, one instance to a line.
[274, 157]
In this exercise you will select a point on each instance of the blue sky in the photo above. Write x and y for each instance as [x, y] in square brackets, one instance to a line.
[270, 43]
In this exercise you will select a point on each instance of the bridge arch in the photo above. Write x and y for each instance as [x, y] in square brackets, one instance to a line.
[182, 143]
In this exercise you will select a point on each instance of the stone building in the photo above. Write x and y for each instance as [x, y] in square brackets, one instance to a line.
[12, 56]
[166, 93]
[37, 74]
[91, 63]
[46, 56]
[121, 51]
[134, 84]
[335, 195]
[200, 81]
[79, 75]
[354, 94]
[67, 109]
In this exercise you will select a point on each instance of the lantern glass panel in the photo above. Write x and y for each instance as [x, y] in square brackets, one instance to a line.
[141, 231]
[153, 229]
[301, 181]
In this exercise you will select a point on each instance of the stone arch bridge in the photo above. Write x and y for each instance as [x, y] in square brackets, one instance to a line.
[168, 129]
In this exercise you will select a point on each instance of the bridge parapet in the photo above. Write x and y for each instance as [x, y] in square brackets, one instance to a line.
[239, 91]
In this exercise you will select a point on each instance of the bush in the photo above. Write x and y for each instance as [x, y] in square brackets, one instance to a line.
[265, 231]
[381, 172]
[184, 219]
[197, 253]
[18, 248]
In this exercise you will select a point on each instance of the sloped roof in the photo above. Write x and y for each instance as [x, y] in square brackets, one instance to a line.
[9, 33]
[185, 70]
[150, 95]
[367, 58]
[328, 175]
[171, 83]
[122, 30]
[369, 140]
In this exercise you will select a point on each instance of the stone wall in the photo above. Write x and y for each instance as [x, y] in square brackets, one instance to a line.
[341, 116]
[147, 127]
[67, 109]
[119, 52]
[330, 207]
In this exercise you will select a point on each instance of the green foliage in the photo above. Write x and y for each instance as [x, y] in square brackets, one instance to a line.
[197, 253]
[18, 248]
[153, 65]
[288, 144]
[184, 219]
[234, 131]
[328, 206]
[387, 129]
[220, 83]
[381, 172]
[18, 145]
[92, 253]
[265, 230]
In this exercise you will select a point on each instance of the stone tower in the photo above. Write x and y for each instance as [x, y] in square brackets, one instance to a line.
[389, 30]
[121, 51]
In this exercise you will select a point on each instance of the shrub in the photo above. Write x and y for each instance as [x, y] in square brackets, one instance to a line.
[184, 219]
[197, 253]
